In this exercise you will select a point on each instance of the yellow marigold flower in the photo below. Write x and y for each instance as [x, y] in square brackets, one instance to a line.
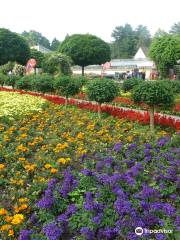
[54, 170]
[5, 227]
[16, 209]
[11, 232]
[1, 146]
[130, 138]
[80, 135]
[8, 218]
[23, 135]
[17, 219]
[62, 160]
[2, 166]
[3, 211]
[47, 166]
[22, 200]
[68, 159]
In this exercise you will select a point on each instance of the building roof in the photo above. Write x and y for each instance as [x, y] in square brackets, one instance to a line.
[140, 54]
[41, 48]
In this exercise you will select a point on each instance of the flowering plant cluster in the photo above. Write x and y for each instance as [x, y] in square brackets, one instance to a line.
[37, 147]
[117, 190]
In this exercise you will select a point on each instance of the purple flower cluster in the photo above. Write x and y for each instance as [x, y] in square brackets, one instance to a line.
[25, 234]
[68, 185]
[52, 231]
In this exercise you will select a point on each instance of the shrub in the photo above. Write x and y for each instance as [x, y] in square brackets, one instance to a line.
[101, 91]
[57, 63]
[26, 82]
[43, 83]
[129, 84]
[18, 70]
[6, 68]
[156, 93]
[3, 79]
[11, 80]
[67, 86]
[174, 85]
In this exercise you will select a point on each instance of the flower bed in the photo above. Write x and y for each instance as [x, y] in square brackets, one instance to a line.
[133, 115]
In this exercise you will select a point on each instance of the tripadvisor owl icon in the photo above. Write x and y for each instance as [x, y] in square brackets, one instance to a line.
[139, 231]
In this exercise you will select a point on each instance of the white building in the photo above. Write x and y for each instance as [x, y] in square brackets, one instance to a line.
[41, 48]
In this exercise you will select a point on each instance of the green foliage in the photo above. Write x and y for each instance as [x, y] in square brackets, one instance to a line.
[26, 82]
[129, 84]
[67, 86]
[127, 41]
[165, 51]
[43, 83]
[11, 80]
[102, 90]
[175, 29]
[7, 67]
[175, 140]
[13, 47]
[154, 93]
[39, 56]
[86, 49]
[34, 38]
[57, 63]
[174, 85]
[55, 44]
[3, 78]
[18, 70]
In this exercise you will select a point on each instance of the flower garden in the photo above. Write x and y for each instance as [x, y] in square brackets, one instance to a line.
[66, 174]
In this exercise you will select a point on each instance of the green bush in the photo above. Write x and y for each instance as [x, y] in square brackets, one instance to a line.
[67, 86]
[11, 80]
[57, 63]
[129, 84]
[43, 83]
[102, 90]
[26, 82]
[174, 85]
[3, 79]
[7, 67]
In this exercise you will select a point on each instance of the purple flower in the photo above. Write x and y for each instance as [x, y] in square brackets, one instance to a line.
[87, 172]
[52, 231]
[149, 192]
[160, 236]
[122, 207]
[71, 209]
[97, 219]
[177, 223]
[169, 209]
[25, 234]
[117, 147]
[52, 183]
[110, 233]
[99, 166]
[63, 218]
[87, 232]
[46, 202]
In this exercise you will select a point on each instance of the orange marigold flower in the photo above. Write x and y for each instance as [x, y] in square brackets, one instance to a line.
[54, 170]
[2, 166]
[3, 211]
[5, 227]
[11, 232]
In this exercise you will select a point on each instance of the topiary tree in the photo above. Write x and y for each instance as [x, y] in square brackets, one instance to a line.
[67, 86]
[26, 82]
[129, 84]
[43, 83]
[57, 63]
[85, 49]
[13, 47]
[154, 94]
[101, 91]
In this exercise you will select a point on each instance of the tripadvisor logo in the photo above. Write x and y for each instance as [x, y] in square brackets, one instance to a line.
[139, 231]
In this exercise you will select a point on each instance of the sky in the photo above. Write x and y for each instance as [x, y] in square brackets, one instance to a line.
[57, 18]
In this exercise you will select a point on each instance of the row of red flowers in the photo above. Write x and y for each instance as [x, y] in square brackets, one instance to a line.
[133, 115]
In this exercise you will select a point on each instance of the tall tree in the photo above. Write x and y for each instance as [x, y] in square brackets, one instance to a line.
[159, 33]
[55, 44]
[35, 38]
[175, 29]
[165, 51]
[86, 49]
[124, 45]
[143, 37]
[13, 47]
